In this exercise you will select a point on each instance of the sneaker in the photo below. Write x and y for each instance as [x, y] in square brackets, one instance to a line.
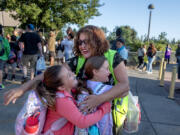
[24, 79]
[149, 72]
[2, 87]
[13, 78]
[5, 76]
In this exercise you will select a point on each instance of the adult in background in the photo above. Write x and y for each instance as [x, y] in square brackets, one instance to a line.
[168, 53]
[32, 43]
[178, 59]
[151, 52]
[4, 53]
[60, 53]
[118, 35]
[141, 54]
[120, 44]
[13, 61]
[51, 47]
[90, 41]
[68, 45]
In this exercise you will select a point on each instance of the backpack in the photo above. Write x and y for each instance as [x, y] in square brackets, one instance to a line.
[11, 57]
[31, 118]
[2, 50]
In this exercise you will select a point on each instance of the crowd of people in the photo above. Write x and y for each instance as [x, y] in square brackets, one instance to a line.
[24, 47]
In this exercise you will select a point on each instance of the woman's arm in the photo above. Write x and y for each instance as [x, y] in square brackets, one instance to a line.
[68, 110]
[121, 89]
[15, 93]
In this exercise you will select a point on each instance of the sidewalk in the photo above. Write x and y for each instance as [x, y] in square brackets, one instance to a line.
[160, 115]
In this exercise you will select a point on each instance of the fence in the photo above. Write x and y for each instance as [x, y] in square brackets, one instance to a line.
[133, 57]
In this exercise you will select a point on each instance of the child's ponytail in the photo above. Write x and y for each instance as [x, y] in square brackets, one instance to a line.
[47, 88]
[48, 95]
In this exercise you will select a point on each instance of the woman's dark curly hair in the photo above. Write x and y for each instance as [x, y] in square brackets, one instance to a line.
[96, 40]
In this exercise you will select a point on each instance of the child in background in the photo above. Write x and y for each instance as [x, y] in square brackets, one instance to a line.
[97, 73]
[145, 63]
[13, 61]
[58, 79]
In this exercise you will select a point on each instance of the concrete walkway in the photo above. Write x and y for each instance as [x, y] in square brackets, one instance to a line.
[160, 115]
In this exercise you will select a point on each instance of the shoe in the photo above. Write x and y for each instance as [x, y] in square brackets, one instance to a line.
[13, 78]
[24, 79]
[149, 72]
[5, 76]
[2, 87]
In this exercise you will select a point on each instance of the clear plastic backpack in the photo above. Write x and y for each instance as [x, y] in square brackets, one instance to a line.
[31, 118]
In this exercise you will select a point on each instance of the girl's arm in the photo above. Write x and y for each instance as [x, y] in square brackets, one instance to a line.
[66, 108]
[15, 93]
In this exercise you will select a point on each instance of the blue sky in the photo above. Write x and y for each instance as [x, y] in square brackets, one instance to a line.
[165, 16]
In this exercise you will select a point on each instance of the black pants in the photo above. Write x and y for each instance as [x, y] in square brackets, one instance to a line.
[167, 60]
[141, 61]
[125, 62]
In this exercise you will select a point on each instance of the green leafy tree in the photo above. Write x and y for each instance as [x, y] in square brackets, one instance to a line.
[8, 30]
[129, 34]
[104, 29]
[60, 35]
[162, 38]
[53, 14]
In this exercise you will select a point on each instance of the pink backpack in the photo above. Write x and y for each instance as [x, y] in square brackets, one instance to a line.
[31, 118]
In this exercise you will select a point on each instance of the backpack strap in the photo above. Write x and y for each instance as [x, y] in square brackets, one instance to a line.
[99, 87]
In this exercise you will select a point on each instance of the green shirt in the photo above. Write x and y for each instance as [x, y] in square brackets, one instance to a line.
[6, 47]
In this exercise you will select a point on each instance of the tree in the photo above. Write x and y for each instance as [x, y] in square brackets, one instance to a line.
[128, 33]
[52, 14]
[104, 29]
[162, 38]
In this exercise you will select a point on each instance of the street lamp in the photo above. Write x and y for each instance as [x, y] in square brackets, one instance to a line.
[150, 7]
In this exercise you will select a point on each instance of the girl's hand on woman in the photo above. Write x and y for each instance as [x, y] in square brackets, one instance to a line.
[90, 103]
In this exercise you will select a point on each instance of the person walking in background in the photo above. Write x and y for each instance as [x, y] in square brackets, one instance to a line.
[60, 53]
[20, 52]
[68, 46]
[4, 53]
[151, 52]
[168, 53]
[118, 35]
[178, 59]
[51, 47]
[141, 54]
[144, 67]
[120, 44]
[12, 62]
[32, 43]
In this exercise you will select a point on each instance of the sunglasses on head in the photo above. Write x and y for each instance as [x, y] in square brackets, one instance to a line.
[80, 42]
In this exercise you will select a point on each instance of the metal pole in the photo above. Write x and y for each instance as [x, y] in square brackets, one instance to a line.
[161, 68]
[173, 80]
[163, 74]
[149, 25]
[2, 18]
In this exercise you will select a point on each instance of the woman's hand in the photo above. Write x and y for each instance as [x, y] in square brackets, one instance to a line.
[12, 95]
[90, 103]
